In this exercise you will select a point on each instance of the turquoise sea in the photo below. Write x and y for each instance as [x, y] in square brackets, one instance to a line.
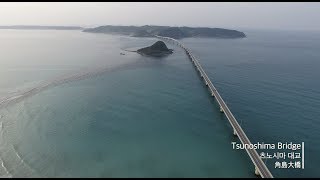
[153, 117]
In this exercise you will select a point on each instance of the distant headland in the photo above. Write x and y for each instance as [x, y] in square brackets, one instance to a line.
[35, 27]
[144, 31]
[173, 32]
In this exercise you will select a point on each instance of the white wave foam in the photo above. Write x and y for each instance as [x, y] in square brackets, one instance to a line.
[58, 81]
[16, 152]
[5, 169]
[23, 163]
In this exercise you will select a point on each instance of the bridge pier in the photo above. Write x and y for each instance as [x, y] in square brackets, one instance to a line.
[256, 171]
[234, 132]
[221, 110]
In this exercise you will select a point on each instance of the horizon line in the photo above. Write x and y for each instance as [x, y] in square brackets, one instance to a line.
[94, 26]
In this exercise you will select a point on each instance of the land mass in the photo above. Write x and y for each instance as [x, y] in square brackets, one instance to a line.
[158, 49]
[31, 27]
[144, 31]
[173, 32]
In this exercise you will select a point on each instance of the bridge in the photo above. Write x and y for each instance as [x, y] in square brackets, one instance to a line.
[260, 168]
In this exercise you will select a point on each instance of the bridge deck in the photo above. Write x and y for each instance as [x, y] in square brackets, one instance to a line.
[255, 158]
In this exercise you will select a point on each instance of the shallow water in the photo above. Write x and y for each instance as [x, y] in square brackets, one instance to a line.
[146, 117]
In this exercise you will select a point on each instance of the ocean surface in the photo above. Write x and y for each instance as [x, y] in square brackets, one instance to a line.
[112, 115]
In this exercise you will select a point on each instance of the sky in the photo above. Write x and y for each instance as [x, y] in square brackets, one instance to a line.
[235, 15]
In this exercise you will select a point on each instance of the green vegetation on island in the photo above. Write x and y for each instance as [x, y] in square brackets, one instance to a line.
[158, 49]
[173, 32]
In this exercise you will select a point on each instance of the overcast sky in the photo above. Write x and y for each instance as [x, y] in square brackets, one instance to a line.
[266, 15]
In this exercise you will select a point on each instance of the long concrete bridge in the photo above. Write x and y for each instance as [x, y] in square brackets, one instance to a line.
[260, 168]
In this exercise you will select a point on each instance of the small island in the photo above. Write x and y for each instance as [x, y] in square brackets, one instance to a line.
[158, 49]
